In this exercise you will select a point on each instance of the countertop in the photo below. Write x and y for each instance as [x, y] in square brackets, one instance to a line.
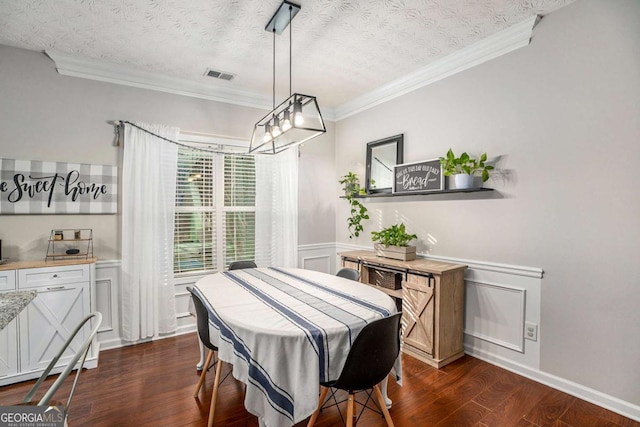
[16, 265]
[12, 303]
[420, 264]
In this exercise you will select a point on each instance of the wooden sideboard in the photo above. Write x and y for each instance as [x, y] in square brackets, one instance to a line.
[431, 296]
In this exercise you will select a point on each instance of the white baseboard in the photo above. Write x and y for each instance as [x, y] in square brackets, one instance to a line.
[117, 342]
[603, 400]
[328, 253]
[498, 356]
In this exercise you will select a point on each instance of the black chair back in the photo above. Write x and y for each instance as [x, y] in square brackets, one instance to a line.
[240, 265]
[202, 320]
[349, 273]
[372, 355]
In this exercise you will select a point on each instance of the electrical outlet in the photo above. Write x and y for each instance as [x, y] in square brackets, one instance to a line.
[531, 331]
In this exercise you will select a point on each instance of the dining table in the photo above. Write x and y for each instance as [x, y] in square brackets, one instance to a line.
[285, 330]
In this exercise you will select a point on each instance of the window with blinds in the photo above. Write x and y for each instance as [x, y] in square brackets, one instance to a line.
[215, 210]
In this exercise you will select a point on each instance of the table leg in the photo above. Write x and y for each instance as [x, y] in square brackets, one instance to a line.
[383, 389]
[203, 356]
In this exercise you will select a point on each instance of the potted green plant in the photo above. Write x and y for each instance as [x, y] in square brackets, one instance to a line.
[465, 168]
[393, 242]
[358, 213]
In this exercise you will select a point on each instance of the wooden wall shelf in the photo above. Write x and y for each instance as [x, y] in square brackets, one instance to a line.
[423, 193]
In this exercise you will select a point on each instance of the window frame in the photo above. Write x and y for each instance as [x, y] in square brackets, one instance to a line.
[223, 144]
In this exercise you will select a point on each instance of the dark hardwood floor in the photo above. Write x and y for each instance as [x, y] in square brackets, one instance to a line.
[152, 385]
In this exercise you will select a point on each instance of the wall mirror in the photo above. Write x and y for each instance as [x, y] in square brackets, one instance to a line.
[382, 156]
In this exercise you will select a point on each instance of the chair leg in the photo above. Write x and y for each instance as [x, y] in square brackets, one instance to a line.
[214, 393]
[204, 372]
[314, 417]
[383, 405]
[350, 409]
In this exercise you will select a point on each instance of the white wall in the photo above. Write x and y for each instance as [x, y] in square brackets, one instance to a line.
[562, 115]
[50, 117]
[47, 116]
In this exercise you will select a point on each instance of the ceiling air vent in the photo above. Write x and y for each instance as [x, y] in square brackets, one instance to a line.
[219, 74]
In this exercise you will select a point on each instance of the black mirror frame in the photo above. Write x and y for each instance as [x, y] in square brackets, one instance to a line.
[399, 140]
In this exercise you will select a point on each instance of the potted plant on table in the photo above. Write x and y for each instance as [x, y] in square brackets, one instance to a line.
[393, 242]
[358, 213]
[465, 168]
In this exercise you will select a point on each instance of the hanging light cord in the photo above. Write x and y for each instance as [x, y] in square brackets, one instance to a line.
[290, 44]
[274, 68]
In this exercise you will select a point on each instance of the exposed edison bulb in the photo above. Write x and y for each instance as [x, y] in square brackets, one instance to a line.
[298, 119]
[276, 127]
[267, 133]
[286, 121]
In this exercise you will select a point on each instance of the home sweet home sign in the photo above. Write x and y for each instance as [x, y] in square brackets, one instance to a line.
[36, 187]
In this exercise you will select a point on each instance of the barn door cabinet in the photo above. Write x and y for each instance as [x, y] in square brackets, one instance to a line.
[431, 297]
[65, 295]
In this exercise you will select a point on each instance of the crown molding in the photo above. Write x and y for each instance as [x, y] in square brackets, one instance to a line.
[93, 69]
[498, 44]
[491, 47]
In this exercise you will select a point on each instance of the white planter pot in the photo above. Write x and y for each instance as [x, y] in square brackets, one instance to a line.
[463, 181]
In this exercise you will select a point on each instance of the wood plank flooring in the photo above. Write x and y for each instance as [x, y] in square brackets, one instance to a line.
[152, 384]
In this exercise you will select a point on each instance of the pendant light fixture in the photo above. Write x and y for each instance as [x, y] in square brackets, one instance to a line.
[297, 119]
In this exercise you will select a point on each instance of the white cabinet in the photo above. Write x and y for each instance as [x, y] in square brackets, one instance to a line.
[65, 295]
[7, 280]
[9, 350]
[8, 335]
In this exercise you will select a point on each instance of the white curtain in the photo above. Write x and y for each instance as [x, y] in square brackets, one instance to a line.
[148, 208]
[277, 209]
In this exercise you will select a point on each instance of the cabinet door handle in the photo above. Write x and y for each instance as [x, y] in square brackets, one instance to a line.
[55, 288]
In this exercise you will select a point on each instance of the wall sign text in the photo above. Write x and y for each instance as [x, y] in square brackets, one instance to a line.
[36, 187]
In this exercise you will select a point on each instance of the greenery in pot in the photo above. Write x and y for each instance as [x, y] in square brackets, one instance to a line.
[395, 235]
[452, 165]
[351, 187]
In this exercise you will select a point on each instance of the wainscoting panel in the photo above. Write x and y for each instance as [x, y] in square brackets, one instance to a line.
[103, 297]
[318, 257]
[495, 296]
[186, 322]
[499, 298]
[495, 313]
[108, 303]
[320, 263]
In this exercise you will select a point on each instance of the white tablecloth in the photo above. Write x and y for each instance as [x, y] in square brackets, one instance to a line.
[284, 330]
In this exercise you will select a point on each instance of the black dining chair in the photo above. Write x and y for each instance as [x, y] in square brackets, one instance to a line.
[369, 361]
[349, 273]
[202, 320]
[240, 265]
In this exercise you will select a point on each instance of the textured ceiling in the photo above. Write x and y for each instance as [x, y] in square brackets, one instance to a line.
[341, 48]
